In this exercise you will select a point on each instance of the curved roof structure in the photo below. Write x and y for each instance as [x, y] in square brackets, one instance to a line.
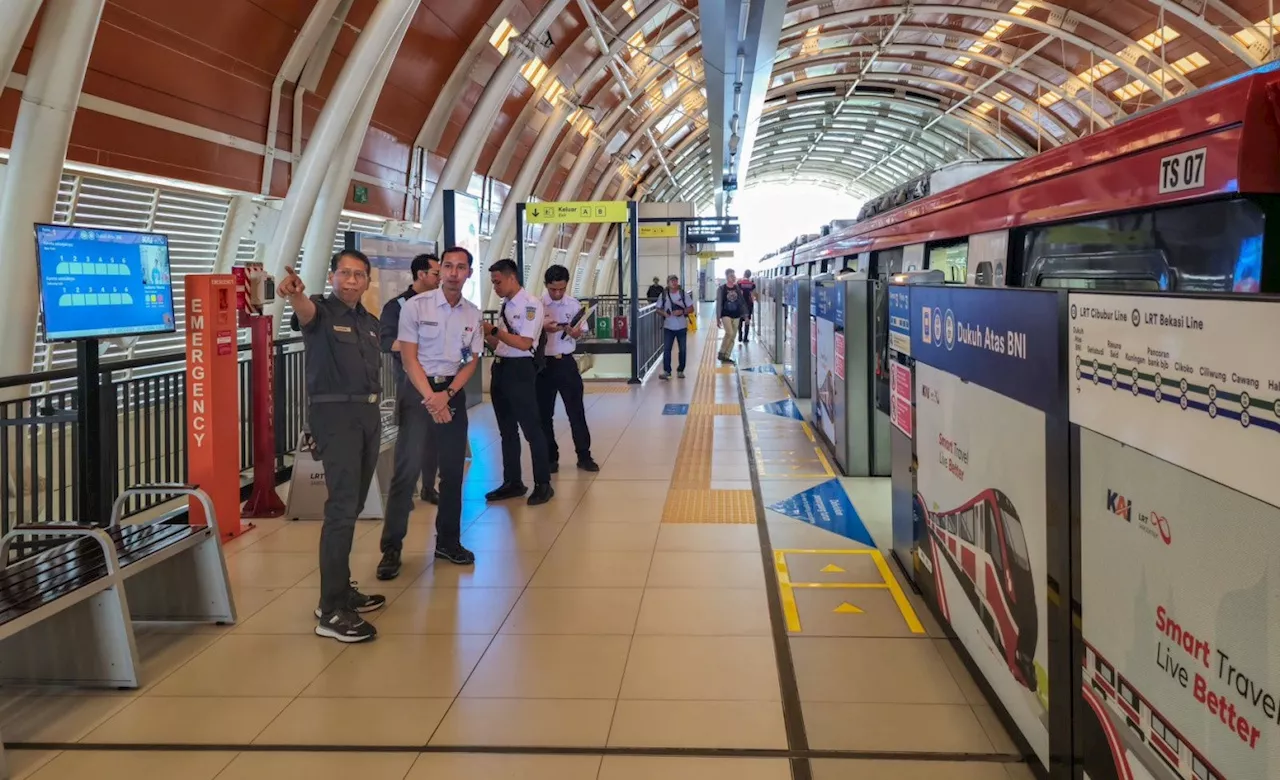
[610, 98]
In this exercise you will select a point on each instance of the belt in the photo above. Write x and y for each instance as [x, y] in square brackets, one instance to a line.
[439, 380]
[371, 398]
[497, 359]
[560, 356]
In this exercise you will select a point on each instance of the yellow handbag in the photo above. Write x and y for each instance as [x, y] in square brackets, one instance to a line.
[693, 322]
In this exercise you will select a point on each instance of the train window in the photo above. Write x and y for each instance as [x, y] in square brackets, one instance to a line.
[966, 525]
[1106, 670]
[952, 260]
[887, 262]
[1165, 733]
[1015, 541]
[1214, 246]
[1127, 693]
[1199, 770]
[992, 538]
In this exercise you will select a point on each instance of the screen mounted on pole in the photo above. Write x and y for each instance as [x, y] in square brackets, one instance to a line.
[103, 283]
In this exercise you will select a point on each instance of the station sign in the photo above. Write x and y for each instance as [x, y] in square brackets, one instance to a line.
[577, 212]
[713, 231]
[659, 231]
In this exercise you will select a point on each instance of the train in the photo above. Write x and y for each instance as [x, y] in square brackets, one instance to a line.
[983, 542]
[1130, 724]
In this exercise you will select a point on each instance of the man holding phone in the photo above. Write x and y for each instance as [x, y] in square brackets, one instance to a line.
[675, 305]
[561, 329]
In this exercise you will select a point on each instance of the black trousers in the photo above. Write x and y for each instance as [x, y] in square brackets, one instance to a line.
[451, 446]
[347, 437]
[561, 376]
[514, 392]
[430, 460]
[744, 327]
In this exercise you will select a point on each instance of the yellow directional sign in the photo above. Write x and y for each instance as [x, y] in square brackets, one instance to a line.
[659, 231]
[846, 608]
[831, 568]
[600, 211]
[708, 255]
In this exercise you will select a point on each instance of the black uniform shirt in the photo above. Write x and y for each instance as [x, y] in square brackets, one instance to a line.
[343, 357]
[389, 323]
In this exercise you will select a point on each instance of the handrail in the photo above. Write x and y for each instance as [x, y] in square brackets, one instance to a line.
[112, 366]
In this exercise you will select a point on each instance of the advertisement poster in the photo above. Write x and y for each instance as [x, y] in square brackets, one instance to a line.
[1179, 527]
[900, 319]
[1180, 593]
[900, 394]
[985, 356]
[1186, 380]
[824, 379]
[789, 312]
[839, 354]
[390, 259]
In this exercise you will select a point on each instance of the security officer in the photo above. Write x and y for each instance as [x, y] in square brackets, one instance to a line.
[514, 385]
[344, 370]
[560, 375]
[425, 269]
[440, 341]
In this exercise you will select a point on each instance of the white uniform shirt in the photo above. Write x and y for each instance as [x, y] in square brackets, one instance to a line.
[524, 312]
[447, 336]
[560, 312]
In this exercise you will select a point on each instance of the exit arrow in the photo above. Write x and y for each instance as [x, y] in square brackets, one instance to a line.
[831, 568]
[846, 608]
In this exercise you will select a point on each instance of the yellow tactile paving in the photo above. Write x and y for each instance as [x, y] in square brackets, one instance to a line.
[611, 388]
[715, 409]
[709, 506]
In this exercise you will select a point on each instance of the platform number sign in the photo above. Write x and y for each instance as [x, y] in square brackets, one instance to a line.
[1183, 171]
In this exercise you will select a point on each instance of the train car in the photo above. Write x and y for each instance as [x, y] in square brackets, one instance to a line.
[1182, 197]
[983, 542]
[1133, 727]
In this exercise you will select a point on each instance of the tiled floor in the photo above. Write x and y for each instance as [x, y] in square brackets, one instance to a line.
[586, 623]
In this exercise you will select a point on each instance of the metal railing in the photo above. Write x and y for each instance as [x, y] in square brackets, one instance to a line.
[648, 338]
[144, 424]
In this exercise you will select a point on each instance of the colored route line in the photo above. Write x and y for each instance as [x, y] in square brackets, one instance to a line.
[1248, 415]
[887, 582]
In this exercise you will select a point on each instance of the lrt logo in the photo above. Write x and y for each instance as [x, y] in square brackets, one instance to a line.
[1153, 523]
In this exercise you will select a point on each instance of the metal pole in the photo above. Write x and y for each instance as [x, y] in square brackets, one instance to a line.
[622, 295]
[16, 17]
[89, 428]
[39, 150]
[634, 209]
[519, 240]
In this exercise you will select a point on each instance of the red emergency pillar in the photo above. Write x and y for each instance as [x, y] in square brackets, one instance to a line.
[213, 402]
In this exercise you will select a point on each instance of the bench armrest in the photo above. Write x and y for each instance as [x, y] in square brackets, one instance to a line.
[169, 490]
[63, 529]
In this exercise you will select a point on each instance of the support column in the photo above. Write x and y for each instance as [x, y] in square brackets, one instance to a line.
[317, 248]
[377, 36]
[35, 166]
[16, 17]
[462, 159]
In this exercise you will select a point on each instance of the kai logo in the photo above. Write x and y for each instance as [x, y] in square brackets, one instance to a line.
[1119, 506]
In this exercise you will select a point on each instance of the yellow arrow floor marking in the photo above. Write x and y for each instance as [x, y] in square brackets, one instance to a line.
[831, 568]
[846, 608]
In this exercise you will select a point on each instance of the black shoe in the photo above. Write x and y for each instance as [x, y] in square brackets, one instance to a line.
[360, 602]
[389, 566]
[430, 495]
[554, 468]
[588, 464]
[456, 553]
[541, 494]
[346, 626]
[507, 490]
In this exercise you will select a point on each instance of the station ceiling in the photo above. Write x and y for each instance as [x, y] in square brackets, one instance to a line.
[862, 96]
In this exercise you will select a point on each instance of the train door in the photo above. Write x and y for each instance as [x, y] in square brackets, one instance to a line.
[952, 259]
[988, 259]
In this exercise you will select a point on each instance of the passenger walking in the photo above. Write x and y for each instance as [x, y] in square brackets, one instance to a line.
[675, 305]
[654, 290]
[748, 287]
[344, 370]
[425, 270]
[560, 374]
[513, 388]
[729, 310]
[440, 341]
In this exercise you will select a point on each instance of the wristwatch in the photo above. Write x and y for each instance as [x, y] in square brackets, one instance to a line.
[449, 391]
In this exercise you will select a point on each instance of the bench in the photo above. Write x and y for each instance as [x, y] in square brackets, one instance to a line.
[67, 611]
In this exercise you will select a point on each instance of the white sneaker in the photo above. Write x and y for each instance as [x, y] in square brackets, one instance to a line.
[664, 376]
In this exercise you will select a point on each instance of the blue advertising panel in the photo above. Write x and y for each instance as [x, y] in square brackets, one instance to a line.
[103, 283]
[828, 302]
[1004, 340]
[900, 319]
[827, 505]
[790, 294]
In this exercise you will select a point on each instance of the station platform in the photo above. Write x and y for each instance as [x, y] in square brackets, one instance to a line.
[711, 604]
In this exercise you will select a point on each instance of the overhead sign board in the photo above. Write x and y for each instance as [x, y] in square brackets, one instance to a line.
[713, 231]
[713, 255]
[576, 212]
[659, 231]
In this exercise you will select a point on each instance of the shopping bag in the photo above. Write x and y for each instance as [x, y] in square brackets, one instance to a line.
[693, 322]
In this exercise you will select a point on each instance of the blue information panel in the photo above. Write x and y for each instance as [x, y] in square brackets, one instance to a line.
[828, 302]
[675, 409]
[827, 506]
[103, 283]
[900, 319]
[1005, 340]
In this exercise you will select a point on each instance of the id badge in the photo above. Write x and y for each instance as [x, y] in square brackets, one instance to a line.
[466, 354]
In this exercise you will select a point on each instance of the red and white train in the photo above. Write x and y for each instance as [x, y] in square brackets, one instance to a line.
[1132, 725]
[984, 544]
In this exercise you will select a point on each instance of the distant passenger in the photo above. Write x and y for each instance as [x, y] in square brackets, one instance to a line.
[676, 305]
[748, 287]
[654, 290]
[730, 309]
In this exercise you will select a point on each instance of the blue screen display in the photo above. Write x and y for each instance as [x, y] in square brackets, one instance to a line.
[103, 283]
